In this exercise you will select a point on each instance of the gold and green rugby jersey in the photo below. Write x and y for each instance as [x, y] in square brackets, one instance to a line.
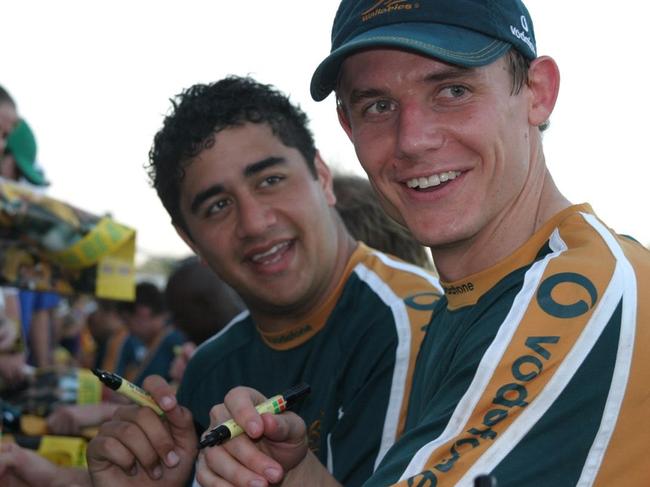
[357, 352]
[536, 370]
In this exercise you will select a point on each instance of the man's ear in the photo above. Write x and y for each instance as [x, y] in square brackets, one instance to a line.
[544, 85]
[325, 179]
[188, 240]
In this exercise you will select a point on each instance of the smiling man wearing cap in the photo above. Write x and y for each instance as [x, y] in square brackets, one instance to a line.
[533, 369]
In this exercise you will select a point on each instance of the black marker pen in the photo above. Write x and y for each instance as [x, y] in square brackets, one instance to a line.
[126, 388]
[274, 405]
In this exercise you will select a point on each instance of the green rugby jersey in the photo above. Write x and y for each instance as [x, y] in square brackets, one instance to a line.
[536, 369]
[357, 352]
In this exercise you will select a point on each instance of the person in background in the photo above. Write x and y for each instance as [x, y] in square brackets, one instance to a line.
[107, 334]
[13, 363]
[367, 221]
[200, 305]
[37, 309]
[237, 169]
[20, 466]
[199, 302]
[18, 163]
[70, 322]
[19, 157]
[149, 349]
[8, 121]
[12, 356]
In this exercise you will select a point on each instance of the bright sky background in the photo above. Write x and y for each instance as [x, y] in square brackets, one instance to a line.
[93, 79]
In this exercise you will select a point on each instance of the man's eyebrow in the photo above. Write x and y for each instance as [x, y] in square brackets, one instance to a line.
[204, 195]
[249, 171]
[449, 73]
[259, 166]
[358, 96]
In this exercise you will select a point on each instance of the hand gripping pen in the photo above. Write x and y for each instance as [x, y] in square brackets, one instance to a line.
[126, 388]
[274, 405]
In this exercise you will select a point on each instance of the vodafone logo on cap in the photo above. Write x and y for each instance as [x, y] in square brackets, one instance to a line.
[521, 34]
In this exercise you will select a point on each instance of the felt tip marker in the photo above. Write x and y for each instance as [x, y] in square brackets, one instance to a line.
[274, 405]
[128, 389]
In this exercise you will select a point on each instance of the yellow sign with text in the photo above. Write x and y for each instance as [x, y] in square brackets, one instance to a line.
[111, 247]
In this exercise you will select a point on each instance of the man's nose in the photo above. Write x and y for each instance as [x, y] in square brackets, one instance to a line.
[255, 217]
[419, 131]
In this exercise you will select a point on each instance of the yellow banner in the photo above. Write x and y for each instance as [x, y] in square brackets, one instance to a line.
[111, 247]
[49, 245]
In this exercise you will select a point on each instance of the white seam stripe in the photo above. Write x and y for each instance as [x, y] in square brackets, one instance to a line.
[413, 269]
[488, 363]
[402, 355]
[507, 440]
[623, 361]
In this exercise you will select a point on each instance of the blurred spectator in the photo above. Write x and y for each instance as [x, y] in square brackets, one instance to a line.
[12, 356]
[200, 304]
[11, 359]
[37, 317]
[36, 308]
[366, 221]
[107, 334]
[19, 156]
[8, 120]
[9, 319]
[149, 349]
[70, 323]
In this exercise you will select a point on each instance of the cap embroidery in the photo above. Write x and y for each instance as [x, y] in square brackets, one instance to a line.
[387, 6]
[521, 35]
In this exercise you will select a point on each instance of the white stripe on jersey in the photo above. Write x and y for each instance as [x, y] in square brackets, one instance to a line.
[402, 355]
[412, 268]
[623, 359]
[529, 416]
[488, 363]
[241, 316]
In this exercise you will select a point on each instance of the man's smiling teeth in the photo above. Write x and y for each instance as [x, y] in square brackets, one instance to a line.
[266, 256]
[434, 180]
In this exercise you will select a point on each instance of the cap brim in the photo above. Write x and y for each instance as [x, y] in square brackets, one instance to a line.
[448, 43]
[32, 175]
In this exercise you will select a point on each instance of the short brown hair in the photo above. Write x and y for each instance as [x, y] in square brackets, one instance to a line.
[366, 221]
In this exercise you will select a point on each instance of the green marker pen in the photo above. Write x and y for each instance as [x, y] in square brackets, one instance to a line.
[128, 389]
[274, 405]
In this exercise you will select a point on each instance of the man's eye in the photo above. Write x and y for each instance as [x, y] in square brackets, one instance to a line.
[455, 91]
[217, 206]
[271, 181]
[380, 106]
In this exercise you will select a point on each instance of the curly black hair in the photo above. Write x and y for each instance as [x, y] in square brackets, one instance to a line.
[201, 111]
